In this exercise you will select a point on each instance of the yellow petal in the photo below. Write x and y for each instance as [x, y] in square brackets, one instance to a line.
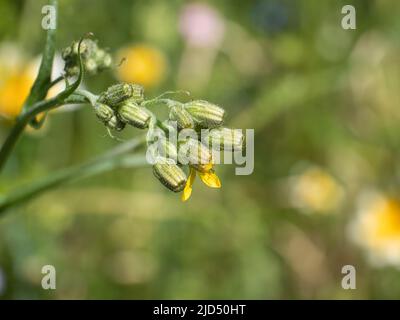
[210, 179]
[189, 183]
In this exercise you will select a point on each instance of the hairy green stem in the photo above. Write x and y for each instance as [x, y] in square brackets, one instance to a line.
[117, 157]
[92, 98]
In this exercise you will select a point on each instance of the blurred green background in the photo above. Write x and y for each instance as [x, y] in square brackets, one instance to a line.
[324, 103]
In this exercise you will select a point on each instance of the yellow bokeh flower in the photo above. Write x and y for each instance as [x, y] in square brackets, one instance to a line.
[376, 228]
[315, 190]
[16, 79]
[143, 64]
[14, 89]
[206, 174]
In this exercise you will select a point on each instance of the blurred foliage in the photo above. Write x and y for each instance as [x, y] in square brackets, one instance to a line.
[324, 105]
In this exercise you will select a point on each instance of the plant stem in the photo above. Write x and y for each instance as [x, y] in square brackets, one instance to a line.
[41, 85]
[55, 81]
[115, 158]
[92, 98]
[43, 82]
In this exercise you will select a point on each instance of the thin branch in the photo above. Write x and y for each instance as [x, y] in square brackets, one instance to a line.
[55, 81]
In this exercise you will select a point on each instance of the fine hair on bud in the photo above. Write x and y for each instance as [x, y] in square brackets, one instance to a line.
[94, 59]
[115, 124]
[167, 150]
[103, 112]
[131, 113]
[205, 114]
[224, 139]
[183, 118]
[170, 175]
[120, 92]
[194, 153]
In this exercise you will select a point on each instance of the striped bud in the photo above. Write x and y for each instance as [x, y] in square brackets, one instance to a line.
[167, 149]
[205, 114]
[195, 153]
[121, 92]
[170, 175]
[103, 112]
[131, 113]
[183, 118]
[225, 139]
[115, 124]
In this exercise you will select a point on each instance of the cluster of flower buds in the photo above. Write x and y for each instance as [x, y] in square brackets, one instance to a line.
[120, 105]
[124, 104]
[195, 152]
[94, 58]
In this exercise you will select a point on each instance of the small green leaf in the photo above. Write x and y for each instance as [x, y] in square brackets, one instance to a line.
[41, 85]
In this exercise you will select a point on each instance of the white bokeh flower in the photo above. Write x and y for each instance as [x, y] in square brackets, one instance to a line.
[376, 228]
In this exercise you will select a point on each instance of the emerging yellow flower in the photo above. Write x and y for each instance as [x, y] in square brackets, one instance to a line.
[207, 175]
[377, 229]
[144, 65]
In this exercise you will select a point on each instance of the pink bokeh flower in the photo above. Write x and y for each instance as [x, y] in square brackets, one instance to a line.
[201, 25]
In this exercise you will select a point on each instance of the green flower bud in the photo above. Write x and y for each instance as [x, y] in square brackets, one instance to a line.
[194, 153]
[93, 58]
[121, 92]
[137, 93]
[103, 112]
[66, 53]
[183, 118]
[115, 124]
[225, 139]
[130, 112]
[205, 114]
[99, 55]
[167, 149]
[106, 62]
[170, 175]
[90, 65]
[87, 47]
[71, 68]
